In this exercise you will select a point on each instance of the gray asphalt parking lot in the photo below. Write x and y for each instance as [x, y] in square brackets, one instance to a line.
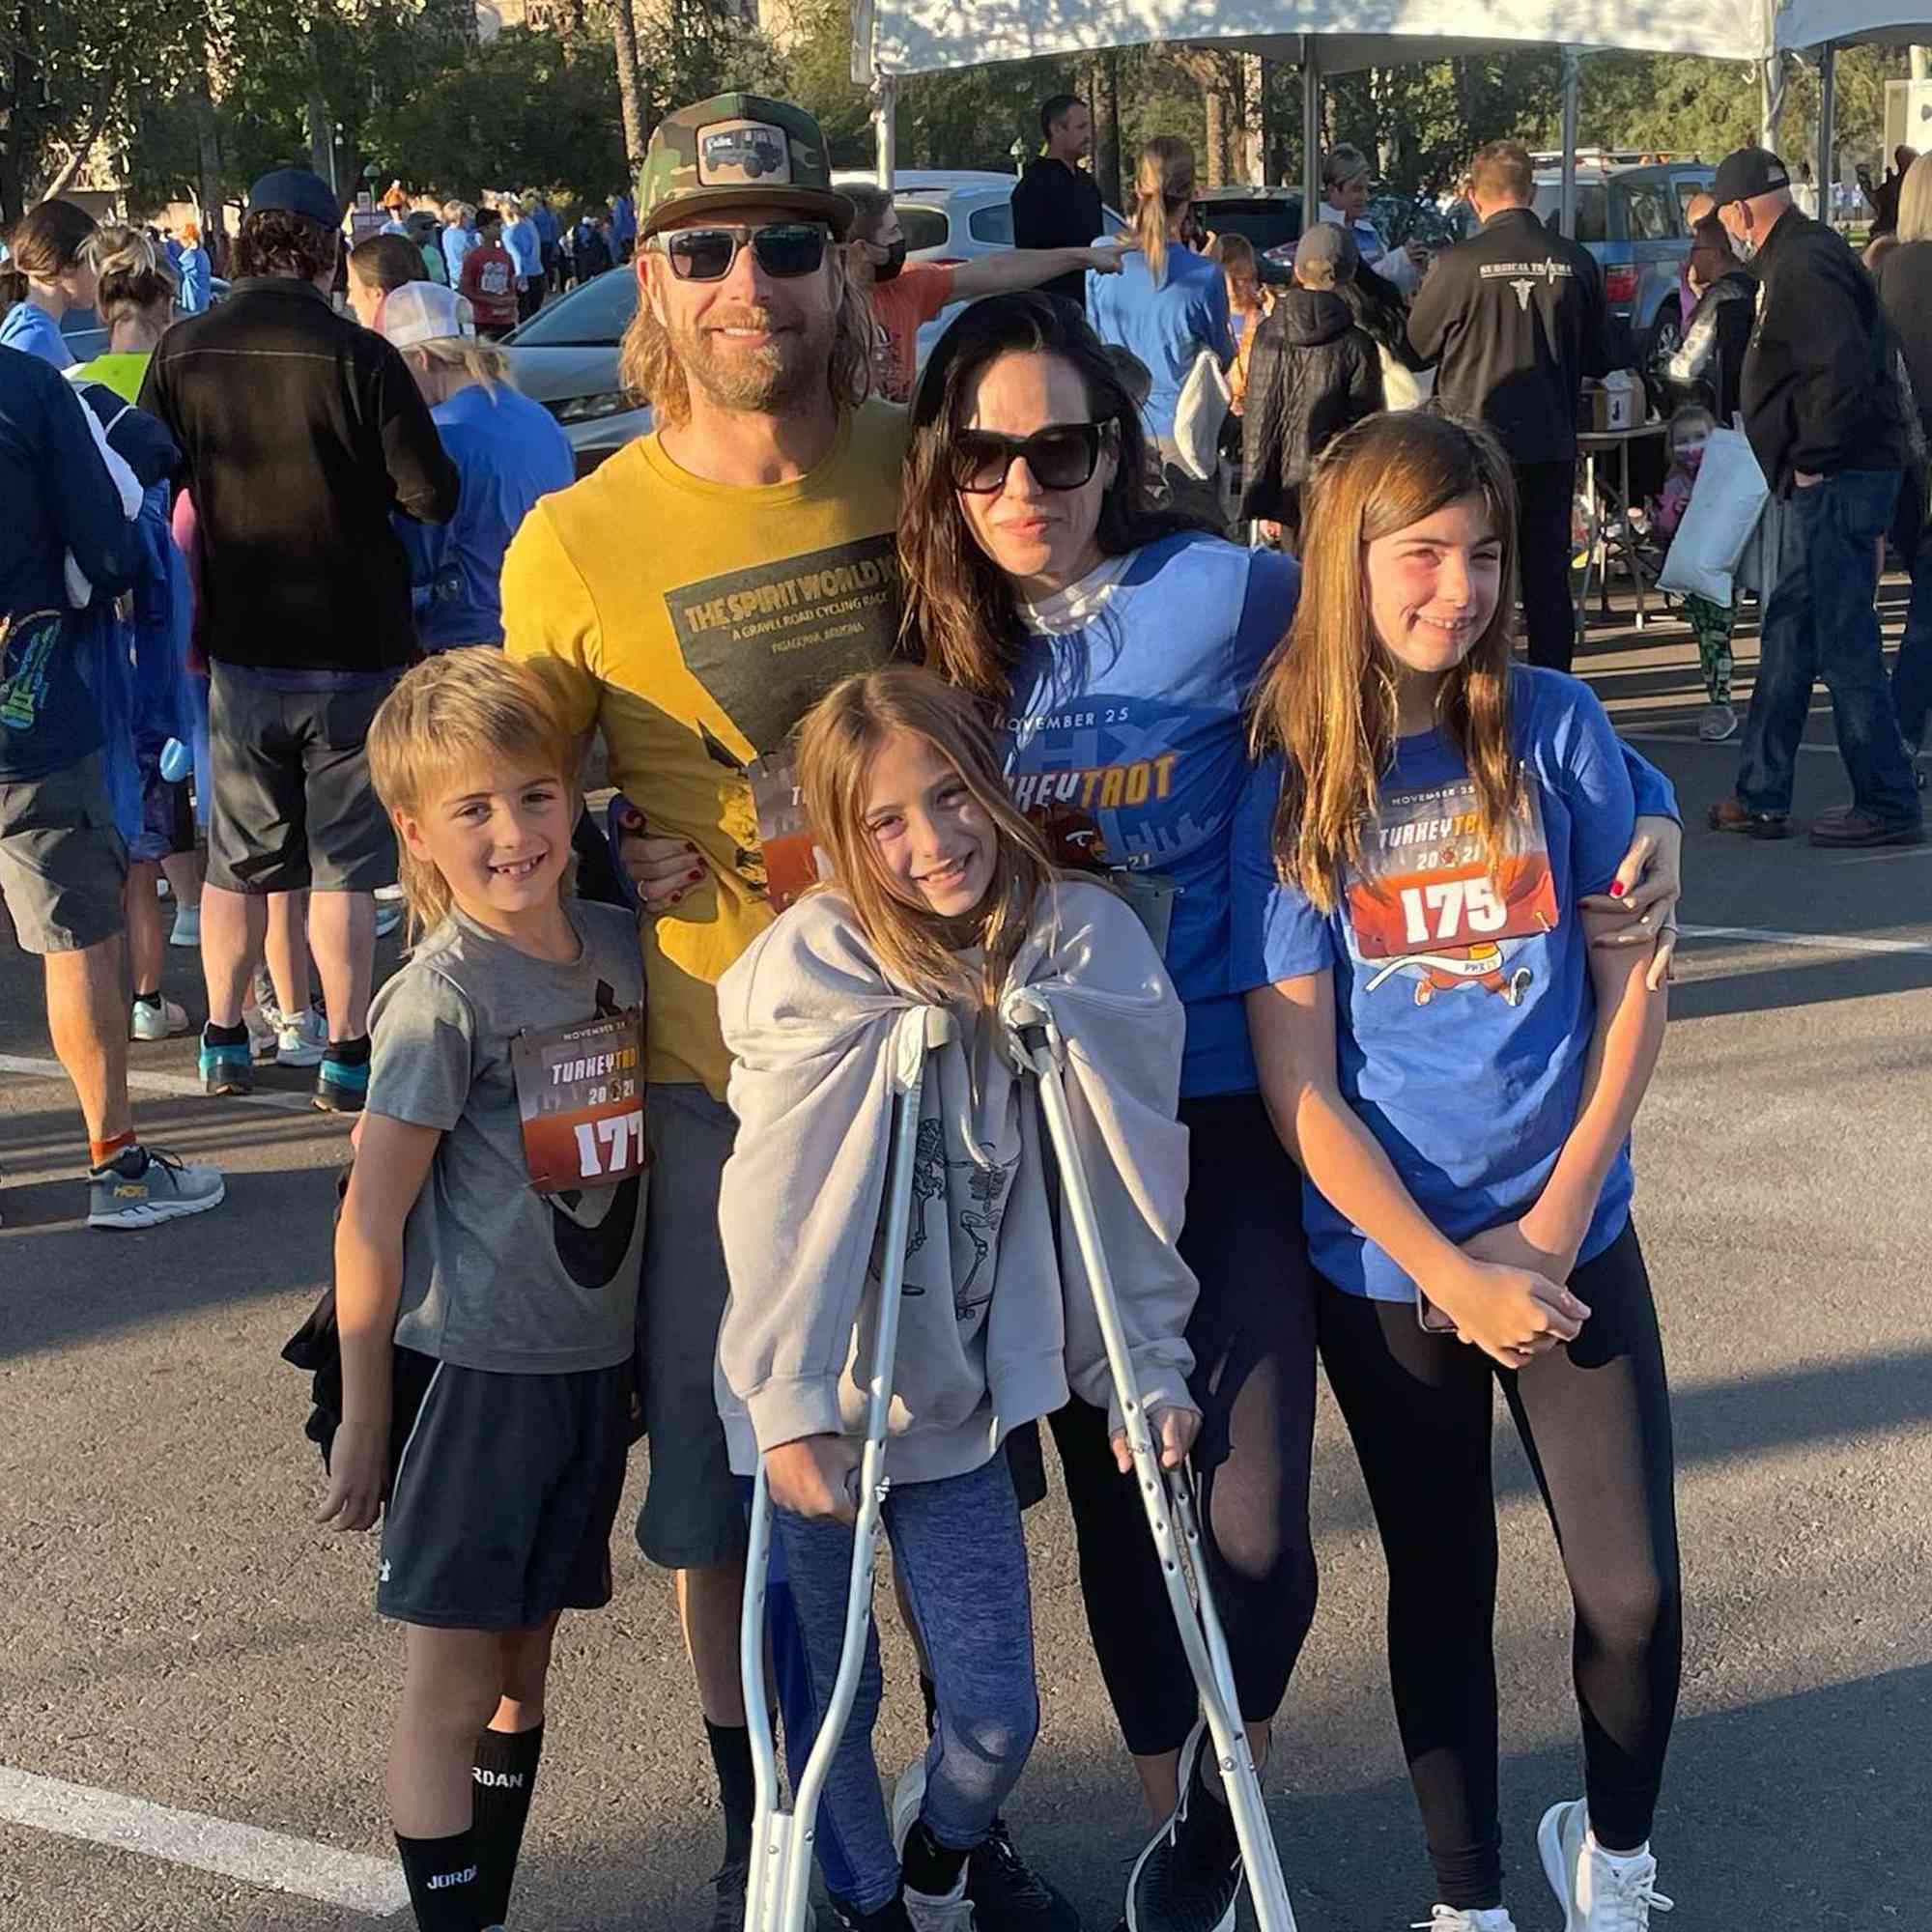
[178, 1635]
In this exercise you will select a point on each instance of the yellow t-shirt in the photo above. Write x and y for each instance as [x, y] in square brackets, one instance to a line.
[696, 623]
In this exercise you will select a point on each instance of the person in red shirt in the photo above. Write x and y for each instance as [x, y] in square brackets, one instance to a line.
[490, 277]
[906, 294]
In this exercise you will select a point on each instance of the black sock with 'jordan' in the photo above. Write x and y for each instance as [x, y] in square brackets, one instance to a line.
[444, 1882]
[504, 1779]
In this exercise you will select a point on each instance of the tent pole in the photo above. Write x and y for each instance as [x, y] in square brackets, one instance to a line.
[1572, 92]
[1828, 101]
[1310, 131]
[1771, 100]
[885, 126]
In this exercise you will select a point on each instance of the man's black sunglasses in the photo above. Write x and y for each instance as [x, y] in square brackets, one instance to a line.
[1062, 457]
[785, 249]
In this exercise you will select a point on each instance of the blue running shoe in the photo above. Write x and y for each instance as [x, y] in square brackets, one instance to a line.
[226, 1068]
[339, 1087]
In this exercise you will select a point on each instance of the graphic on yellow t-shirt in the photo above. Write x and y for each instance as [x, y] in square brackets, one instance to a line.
[694, 624]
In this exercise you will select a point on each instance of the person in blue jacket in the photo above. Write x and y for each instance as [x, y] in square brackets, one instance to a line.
[51, 272]
[194, 270]
[1168, 305]
[1120, 645]
[62, 860]
[507, 449]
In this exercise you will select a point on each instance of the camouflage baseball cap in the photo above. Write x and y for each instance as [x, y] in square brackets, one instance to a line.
[732, 149]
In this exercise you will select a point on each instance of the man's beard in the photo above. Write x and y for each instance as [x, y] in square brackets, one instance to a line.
[770, 380]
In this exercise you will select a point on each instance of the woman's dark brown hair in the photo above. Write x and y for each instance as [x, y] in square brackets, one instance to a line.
[386, 262]
[960, 613]
[45, 240]
[276, 243]
[1327, 701]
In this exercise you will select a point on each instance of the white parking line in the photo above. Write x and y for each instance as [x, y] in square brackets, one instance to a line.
[1822, 942]
[1705, 744]
[180, 1086]
[269, 1860]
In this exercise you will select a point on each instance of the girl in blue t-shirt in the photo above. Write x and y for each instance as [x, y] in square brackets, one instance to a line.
[51, 272]
[1455, 1068]
[1122, 647]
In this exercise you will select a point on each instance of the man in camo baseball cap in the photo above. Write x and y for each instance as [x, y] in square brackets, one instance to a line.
[732, 149]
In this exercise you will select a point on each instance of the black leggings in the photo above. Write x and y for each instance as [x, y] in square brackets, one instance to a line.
[1253, 1336]
[1595, 1419]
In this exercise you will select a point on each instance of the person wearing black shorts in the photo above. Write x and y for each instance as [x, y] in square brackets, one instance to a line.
[487, 1264]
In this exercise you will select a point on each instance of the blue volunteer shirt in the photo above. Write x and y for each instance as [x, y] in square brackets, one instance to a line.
[35, 332]
[1126, 739]
[1463, 1003]
[1166, 327]
[60, 501]
[509, 451]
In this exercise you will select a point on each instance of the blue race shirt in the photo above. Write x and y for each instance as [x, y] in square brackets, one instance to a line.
[623, 220]
[457, 242]
[509, 451]
[1463, 1004]
[526, 247]
[1166, 327]
[36, 332]
[546, 225]
[59, 498]
[195, 280]
[1126, 738]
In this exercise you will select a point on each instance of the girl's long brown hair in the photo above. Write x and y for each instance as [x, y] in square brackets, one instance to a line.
[1164, 184]
[1326, 700]
[837, 744]
[960, 614]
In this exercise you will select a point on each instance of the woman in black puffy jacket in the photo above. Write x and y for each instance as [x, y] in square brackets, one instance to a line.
[1313, 373]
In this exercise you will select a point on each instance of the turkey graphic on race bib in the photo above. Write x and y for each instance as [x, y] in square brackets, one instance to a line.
[1426, 908]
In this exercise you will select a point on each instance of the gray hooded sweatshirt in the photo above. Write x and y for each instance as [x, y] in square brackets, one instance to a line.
[997, 1321]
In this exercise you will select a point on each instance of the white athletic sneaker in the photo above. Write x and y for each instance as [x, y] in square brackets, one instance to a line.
[1600, 1892]
[301, 1041]
[1719, 722]
[161, 1022]
[187, 928]
[389, 916]
[951, 1913]
[1449, 1919]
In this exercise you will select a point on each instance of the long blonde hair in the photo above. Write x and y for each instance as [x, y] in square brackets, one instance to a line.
[453, 712]
[1915, 201]
[1165, 183]
[836, 745]
[1327, 699]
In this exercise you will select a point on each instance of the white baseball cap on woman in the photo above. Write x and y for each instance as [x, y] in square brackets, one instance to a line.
[425, 312]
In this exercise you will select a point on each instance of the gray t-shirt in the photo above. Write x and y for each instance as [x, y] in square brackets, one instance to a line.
[496, 1275]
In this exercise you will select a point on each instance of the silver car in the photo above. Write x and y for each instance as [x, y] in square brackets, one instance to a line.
[565, 358]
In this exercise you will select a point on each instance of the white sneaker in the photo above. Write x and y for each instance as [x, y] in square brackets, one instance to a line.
[187, 928]
[1600, 1892]
[303, 1042]
[1719, 722]
[389, 916]
[1451, 1918]
[951, 1913]
[161, 1022]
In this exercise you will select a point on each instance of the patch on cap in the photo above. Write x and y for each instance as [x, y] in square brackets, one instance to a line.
[743, 154]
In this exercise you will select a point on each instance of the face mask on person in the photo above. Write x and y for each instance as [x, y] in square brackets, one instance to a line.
[895, 260]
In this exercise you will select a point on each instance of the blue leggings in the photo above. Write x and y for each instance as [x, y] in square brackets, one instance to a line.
[958, 1549]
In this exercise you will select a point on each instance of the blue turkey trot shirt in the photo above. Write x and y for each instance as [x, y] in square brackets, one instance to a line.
[1463, 1003]
[1127, 740]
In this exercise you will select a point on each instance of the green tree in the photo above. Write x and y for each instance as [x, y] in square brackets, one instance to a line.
[512, 113]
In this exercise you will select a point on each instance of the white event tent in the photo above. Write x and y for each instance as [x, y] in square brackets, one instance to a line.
[896, 39]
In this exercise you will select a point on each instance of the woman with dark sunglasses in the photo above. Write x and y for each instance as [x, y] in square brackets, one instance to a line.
[1119, 643]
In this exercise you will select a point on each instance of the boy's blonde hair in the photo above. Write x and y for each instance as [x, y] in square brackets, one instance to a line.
[837, 744]
[453, 712]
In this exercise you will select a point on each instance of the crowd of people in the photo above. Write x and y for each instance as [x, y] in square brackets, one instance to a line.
[619, 1151]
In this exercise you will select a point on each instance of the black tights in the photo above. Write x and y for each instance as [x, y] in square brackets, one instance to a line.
[1253, 1336]
[1595, 1419]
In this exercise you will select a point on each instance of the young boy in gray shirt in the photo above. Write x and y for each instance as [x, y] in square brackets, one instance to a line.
[492, 1225]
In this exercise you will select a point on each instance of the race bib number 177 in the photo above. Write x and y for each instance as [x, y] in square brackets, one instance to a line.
[580, 1095]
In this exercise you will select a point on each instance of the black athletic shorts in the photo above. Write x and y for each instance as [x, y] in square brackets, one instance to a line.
[505, 1495]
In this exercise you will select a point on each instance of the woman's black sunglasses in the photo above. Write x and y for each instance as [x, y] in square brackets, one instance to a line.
[785, 249]
[1062, 457]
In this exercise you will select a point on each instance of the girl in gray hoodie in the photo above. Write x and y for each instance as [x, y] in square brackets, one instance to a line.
[941, 894]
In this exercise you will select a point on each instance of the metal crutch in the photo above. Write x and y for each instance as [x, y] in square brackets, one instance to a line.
[1041, 1049]
[782, 1840]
